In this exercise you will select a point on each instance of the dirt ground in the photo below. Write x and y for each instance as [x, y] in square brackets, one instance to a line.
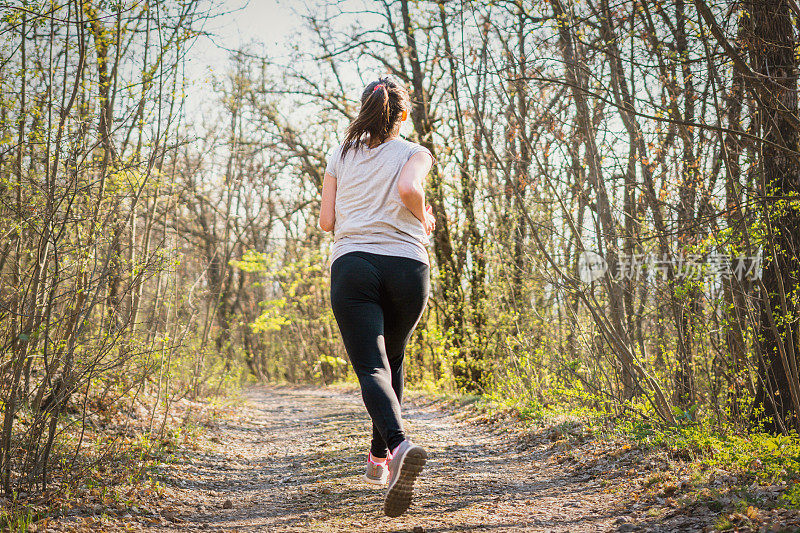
[291, 459]
[295, 464]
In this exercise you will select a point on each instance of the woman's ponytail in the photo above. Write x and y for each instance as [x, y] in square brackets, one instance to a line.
[382, 104]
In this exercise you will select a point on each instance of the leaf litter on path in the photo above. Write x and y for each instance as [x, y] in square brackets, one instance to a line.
[292, 459]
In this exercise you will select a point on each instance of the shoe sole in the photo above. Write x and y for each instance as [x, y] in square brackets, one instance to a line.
[398, 499]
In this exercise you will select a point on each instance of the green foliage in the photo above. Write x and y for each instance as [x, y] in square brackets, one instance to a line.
[17, 516]
[273, 317]
[296, 324]
[723, 523]
[792, 495]
[761, 457]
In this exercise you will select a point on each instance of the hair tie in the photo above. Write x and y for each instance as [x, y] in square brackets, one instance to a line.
[376, 87]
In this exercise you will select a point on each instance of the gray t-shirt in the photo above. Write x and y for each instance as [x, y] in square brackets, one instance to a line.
[370, 216]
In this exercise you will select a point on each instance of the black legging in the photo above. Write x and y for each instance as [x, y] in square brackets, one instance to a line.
[377, 301]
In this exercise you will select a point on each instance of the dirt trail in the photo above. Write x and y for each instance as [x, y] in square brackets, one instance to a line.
[293, 463]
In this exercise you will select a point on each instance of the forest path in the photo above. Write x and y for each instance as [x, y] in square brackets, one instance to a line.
[294, 459]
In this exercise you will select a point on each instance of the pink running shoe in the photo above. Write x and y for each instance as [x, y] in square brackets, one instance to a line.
[404, 467]
[377, 471]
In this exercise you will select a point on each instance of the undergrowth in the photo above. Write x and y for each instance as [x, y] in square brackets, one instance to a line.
[118, 463]
[748, 458]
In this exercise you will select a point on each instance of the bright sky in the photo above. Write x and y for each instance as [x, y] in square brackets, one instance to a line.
[270, 26]
[239, 23]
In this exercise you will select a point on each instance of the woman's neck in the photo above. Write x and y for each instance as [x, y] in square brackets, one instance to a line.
[387, 139]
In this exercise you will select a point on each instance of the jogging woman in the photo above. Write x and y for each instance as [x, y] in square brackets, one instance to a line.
[373, 200]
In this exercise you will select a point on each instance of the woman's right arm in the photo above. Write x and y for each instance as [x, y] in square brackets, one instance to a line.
[327, 210]
[411, 186]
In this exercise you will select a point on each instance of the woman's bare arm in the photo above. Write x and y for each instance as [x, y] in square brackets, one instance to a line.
[327, 211]
[411, 185]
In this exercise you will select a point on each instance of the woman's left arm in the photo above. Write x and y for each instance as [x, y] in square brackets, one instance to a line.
[327, 211]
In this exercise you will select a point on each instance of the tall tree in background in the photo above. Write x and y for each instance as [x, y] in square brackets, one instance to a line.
[771, 43]
[771, 76]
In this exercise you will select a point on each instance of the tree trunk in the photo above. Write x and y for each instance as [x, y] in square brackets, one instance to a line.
[772, 43]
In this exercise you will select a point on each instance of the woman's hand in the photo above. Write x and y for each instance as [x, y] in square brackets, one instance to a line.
[430, 220]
